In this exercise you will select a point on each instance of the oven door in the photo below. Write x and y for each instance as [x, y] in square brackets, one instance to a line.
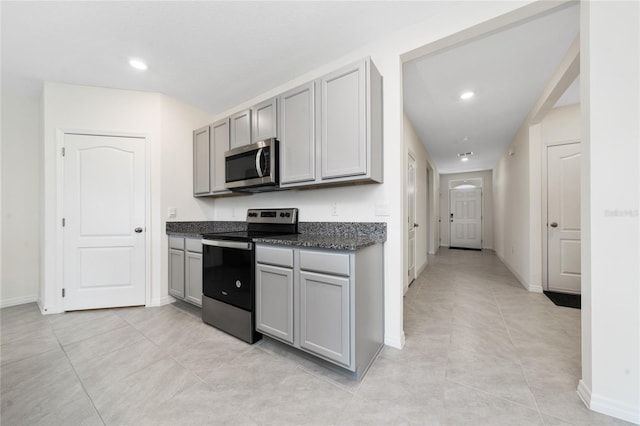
[227, 272]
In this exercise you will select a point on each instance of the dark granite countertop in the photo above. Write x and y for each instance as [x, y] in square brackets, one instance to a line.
[326, 235]
[332, 242]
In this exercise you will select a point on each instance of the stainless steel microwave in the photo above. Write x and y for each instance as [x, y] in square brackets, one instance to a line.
[252, 168]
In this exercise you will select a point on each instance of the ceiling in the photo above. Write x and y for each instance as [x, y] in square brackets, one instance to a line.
[213, 55]
[506, 70]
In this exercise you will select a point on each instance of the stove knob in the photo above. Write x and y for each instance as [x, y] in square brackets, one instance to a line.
[288, 214]
[281, 214]
[238, 284]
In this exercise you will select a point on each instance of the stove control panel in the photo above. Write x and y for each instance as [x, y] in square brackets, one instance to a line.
[279, 216]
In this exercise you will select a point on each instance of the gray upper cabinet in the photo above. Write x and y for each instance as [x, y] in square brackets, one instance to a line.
[265, 120]
[219, 145]
[298, 136]
[201, 161]
[240, 129]
[351, 124]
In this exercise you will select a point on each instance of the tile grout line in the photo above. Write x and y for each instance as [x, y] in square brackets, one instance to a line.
[93, 404]
[524, 375]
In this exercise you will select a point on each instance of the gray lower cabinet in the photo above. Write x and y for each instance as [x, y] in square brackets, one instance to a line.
[201, 161]
[185, 269]
[324, 316]
[328, 303]
[274, 301]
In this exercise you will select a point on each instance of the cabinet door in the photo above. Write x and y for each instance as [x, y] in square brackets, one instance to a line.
[274, 301]
[219, 145]
[201, 161]
[176, 273]
[265, 120]
[324, 316]
[343, 122]
[193, 278]
[240, 129]
[297, 135]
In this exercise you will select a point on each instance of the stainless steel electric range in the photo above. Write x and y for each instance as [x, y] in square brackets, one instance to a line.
[228, 276]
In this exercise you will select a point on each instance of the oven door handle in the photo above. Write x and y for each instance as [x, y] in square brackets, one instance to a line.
[228, 244]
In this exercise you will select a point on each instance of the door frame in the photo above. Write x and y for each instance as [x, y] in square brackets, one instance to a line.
[545, 206]
[410, 226]
[59, 237]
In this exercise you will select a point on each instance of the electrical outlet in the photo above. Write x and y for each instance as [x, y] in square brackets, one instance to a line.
[172, 212]
[334, 209]
[382, 209]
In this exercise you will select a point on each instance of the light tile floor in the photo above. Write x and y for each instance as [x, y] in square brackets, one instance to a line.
[480, 350]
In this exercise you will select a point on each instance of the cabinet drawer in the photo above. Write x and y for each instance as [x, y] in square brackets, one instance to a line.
[176, 243]
[193, 245]
[277, 256]
[326, 262]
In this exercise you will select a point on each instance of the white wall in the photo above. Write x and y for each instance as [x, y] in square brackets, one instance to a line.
[165, 123]
[20, 270]
[610, 93]
[487, 205]
[425, 208]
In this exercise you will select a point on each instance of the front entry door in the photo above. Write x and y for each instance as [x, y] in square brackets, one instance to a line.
[466, 218]
[563, 218]
[104, 221]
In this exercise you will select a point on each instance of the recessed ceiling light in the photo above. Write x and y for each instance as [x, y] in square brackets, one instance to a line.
[464, 159]
[465, 156]
[467, 95]
[138, 64]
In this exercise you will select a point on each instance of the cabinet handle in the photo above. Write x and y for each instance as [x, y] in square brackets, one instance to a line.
[554, 224]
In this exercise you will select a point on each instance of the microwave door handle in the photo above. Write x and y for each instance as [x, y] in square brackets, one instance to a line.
[259, 163]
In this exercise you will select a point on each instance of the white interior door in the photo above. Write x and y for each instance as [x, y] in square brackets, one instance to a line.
[466, 218]
[563, 218]
[411, 219]
[104, 221]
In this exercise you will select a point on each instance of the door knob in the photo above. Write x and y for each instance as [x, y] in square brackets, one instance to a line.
[138, 230]
[415, 225]
[554, 224]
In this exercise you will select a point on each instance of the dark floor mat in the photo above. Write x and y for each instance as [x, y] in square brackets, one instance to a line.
[464, 248]
[564, 299]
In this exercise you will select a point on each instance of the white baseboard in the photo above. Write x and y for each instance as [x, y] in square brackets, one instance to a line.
[584, 393]
[18, 301]
[608, 406]
[534, 288]
[395, 342]
[421, 269]
[161, 301]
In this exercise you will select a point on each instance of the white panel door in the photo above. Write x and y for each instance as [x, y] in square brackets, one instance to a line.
[563, 218]
[104, 211]
[466, 218]
[411, 219]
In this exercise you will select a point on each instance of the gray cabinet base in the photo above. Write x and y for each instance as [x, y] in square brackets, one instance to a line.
[353, 375]
[230, 319]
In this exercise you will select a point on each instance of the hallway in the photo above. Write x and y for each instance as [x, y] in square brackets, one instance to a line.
[505, 355]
